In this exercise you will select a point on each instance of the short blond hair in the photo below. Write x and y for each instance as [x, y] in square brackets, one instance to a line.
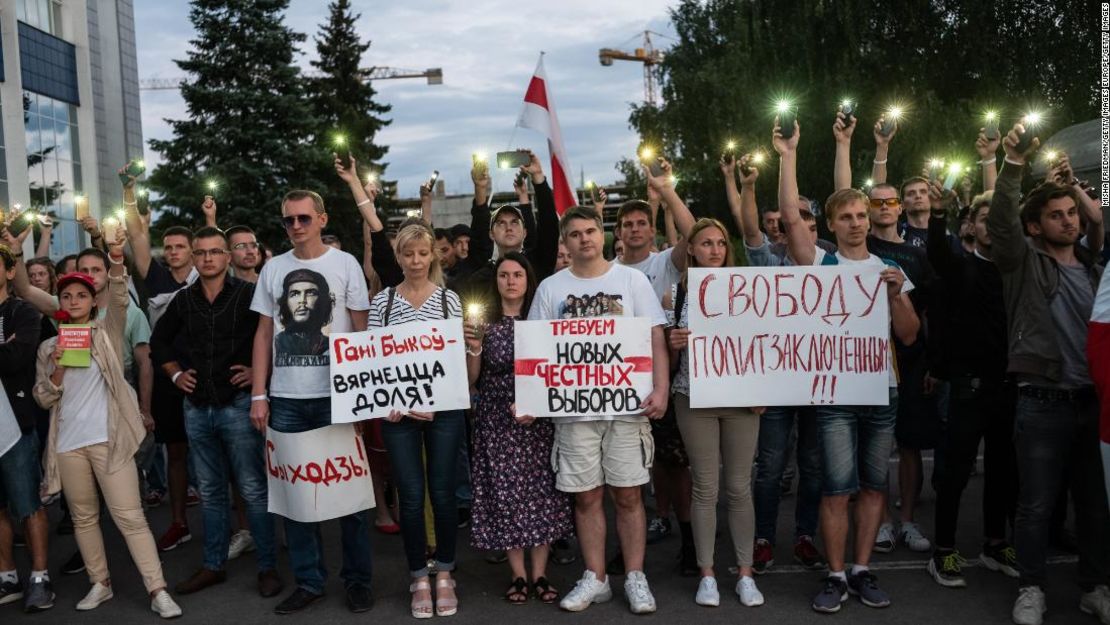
[842, 198]
[300, 194]
[416, 233]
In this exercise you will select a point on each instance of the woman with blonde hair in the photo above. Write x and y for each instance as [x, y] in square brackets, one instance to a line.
[714, 436]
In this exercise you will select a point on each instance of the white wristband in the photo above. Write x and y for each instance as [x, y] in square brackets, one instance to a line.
[992, 160]
[882, 162]
[364, 202]
[1014, 163]
[259, 398]
[175, 376]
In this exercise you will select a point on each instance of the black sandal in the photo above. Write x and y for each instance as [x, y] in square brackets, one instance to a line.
[545, 592]
[517, 593]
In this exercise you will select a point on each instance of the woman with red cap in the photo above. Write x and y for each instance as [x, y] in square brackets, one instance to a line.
[95, 430]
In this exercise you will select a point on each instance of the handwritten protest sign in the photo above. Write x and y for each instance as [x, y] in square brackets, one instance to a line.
[417, 366]
[318, 475]
[583, 367]
[788, 336]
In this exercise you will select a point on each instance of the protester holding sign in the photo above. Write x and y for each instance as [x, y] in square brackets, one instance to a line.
[410, 435]
[302, 296]
[614, 451]
[96, 428]
[714, 437]
[213, 314]
[516, 505]
[1048, 284]
[856, 441]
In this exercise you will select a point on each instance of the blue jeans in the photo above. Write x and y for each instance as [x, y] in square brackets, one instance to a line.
[406, 441]
[774, 435]
[306, 551]
[20, 474]
[224, 445]
[1057, 447]
[856, 442]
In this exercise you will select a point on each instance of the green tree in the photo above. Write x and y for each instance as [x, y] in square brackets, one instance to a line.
[249, 125]
[344, 103]
[946, 61]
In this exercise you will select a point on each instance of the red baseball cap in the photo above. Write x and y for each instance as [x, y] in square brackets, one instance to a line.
[83, 279]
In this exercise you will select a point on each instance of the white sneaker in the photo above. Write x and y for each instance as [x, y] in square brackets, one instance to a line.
[241, 542]
[749, 594]
[588, 590]
[1097, 603]
[98, 594]
[640, 599]
[884, 541]
[708, 594]
[912, 537]
[164, 606]
[1029, 608]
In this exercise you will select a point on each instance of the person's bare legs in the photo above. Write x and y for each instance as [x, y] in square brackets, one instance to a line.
[834, 529]
[516, 562]
[869, 514]
[589, 516]
[631, 525]
[539, 561]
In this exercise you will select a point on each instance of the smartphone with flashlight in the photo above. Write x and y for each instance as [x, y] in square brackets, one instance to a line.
[1030, 122]
[594, 197]
[431, 183]
[520, 180]
[847, 108]
[935, 167]
[513, 159]
[745, 165]
[953, 175]
[787, 116]
[990, 130]
[135, 168]
[887, 125]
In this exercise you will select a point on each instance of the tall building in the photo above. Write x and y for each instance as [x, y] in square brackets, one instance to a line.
[69, 109]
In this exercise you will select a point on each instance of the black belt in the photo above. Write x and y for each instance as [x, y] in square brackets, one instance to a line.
[1056, 394]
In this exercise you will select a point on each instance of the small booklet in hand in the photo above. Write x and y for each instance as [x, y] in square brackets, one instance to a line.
[76, 340]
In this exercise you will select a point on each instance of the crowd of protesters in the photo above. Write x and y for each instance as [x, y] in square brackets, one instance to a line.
[195, 354]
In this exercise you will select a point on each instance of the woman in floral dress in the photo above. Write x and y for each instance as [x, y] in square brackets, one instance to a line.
[516, 506]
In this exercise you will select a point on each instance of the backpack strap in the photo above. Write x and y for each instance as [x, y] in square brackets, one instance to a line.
[679, 300]
[390, 294]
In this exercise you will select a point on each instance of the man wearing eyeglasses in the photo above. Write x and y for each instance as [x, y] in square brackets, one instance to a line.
[245, 253]
[214, 318]
[302, 296]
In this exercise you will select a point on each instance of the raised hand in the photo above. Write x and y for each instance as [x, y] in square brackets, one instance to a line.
[881, 140]
[748, 179]
[1010, 144]
[534, 166]
[784, 146]
[842, 130]
[986, 148]
[346, 174]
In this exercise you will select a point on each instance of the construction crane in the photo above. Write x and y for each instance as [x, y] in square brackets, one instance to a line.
[646, 54]
[433, 74]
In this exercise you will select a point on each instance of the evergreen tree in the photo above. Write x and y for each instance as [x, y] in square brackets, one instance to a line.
[344, 105]
[249, 125]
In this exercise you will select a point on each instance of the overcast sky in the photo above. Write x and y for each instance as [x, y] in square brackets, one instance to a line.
[487, 54]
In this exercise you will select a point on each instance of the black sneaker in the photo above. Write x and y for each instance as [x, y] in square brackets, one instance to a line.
[10, 592]
[945, 567]
[658, 529]
[464, 518]
[833, 593]
[1000, 557]
[74, 565]
[866, 586]
[359, 598]
[299, 600]
[39, 595]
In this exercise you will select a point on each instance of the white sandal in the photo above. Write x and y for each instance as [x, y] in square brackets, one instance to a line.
[446, 607]
[421, 608]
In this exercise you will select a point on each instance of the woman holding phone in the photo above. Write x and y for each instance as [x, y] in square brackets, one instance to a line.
[516, 505]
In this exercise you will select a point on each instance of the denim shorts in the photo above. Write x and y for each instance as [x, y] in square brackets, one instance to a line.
[856, 443]
[20, 476]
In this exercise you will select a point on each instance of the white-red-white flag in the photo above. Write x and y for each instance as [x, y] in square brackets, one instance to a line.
[1098, 358]
[539, 114]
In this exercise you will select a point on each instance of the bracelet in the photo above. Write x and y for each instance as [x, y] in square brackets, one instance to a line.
[364, 202]
[1014, 163]
[113, 260]
[882, 162]
[477, 353]
[126, 203]
[260, 398]
[993, 160]
[175, 376]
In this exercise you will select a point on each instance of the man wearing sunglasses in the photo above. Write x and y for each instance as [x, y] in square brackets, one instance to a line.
[213, 316]
[301, 295]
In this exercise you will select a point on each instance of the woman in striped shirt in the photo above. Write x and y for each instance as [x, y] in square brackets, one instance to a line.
[412, 436]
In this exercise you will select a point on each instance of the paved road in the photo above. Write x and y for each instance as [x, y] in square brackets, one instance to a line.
[788, 590]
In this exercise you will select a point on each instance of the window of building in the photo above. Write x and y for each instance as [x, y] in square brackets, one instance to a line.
[45, 15]
[53, 166]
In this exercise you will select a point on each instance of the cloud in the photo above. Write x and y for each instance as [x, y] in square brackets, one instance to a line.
[487, 51]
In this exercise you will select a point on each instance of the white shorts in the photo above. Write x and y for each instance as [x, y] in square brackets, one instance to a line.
[589, 454]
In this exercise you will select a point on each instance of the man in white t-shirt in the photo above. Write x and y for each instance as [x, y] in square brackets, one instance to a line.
[302, 296]
[605, 451]
[856, 441]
